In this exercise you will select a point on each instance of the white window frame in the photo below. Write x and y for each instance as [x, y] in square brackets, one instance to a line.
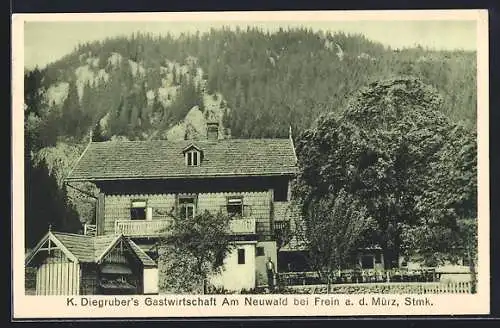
[185, 206]
[139, 203]
[235, 201]
[193, 158]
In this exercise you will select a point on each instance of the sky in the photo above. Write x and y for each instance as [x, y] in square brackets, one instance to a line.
[48, 41]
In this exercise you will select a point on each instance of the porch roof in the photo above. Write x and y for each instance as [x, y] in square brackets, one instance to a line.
[89, 249]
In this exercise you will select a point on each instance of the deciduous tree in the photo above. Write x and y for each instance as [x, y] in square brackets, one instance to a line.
[333, 229]
[395, 151]
[193, 249]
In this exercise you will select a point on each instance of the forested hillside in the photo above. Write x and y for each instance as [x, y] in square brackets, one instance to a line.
[255, 83]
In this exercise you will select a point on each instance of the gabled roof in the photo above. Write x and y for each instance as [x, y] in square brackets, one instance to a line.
[88, 249]
[143, 257]
[161, 159]
[191, 146]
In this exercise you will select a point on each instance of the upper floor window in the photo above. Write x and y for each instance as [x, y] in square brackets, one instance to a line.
[138, 210]
[234, 206]
[187, 207]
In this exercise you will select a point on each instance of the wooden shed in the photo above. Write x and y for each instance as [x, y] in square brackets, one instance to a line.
[72, 264]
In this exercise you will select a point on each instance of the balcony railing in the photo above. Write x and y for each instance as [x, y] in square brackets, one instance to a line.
[142, 228]
[90, 229]
[243, 226]
[153, 228]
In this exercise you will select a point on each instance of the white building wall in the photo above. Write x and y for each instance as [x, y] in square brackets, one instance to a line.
[236, 277]
[150, 280]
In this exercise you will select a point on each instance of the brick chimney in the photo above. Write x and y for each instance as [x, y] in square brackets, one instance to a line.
[213, 131]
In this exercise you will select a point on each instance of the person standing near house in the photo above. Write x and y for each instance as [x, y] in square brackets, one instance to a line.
[270, 272]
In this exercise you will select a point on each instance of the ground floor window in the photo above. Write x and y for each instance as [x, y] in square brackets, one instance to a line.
[241, 256]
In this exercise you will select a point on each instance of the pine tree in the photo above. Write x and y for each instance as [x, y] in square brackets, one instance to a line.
[88, 104]
[71, 112]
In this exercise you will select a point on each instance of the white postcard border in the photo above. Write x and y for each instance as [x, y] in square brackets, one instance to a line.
[57, 307]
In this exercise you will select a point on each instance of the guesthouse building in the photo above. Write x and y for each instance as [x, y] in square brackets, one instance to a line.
[143, 185]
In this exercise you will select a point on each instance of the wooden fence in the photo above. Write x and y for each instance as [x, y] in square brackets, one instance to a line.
[459, 287]
[463, 287]
[370, 276]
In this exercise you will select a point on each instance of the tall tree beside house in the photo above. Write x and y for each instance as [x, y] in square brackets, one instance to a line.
[391, 149]
[423, 163]
[448, 207]
[334, 226]
[46, 200]
[192, 250]
[46, 204]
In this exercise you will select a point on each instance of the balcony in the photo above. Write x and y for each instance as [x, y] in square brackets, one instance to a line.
[142, 228]
[153, 228]
[243, 226]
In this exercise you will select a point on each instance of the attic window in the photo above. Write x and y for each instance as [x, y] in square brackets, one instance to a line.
[193, 158]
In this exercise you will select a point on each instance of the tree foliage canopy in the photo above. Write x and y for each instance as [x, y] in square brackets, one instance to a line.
[334, 228]
[197, 245]
[411, 167]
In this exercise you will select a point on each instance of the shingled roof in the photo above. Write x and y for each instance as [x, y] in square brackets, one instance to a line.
[160, 159]
[90, 249]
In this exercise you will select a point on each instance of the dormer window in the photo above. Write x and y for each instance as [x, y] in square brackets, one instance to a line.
[192, 155]
[193, 158]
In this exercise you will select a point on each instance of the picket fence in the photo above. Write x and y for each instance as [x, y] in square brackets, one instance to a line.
[458, 287]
